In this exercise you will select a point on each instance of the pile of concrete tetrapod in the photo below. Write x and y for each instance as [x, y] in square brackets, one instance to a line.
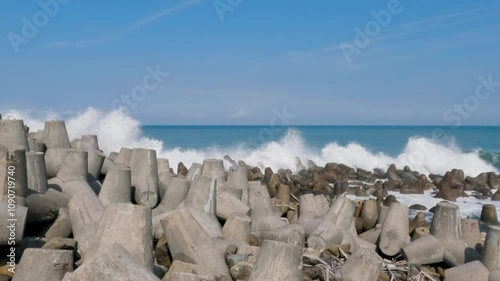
[82, 215]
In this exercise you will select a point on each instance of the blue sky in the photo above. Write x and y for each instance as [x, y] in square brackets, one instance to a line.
[235, 67]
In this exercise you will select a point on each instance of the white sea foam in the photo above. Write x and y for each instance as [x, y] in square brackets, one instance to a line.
[469, 206]
[115, 129]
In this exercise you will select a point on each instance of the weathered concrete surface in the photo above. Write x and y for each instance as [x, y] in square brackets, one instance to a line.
[491, 250]
[472, 271]
[446, 224]
[113, 264]
[175, 194]
[425, 250]
[55, 135]
[189, 242]
[37, 174]
[237, 228]
[20, 213]
[277, 261]
[394, 235]
[202, 195]
[116, 187]
[13, 134]
[44, 265]
[61, 227]
[362, 265]
[180, 267]
[128, 225]
[194, 170]
[85, 211]
[54, 158]
[334, 225]
[144, 176]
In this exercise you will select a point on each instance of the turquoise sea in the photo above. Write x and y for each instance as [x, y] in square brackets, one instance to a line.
[427, 148]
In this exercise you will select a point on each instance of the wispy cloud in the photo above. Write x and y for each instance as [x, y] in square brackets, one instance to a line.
[450, 16]
[122, 32]
[239, 113]
[409, 28]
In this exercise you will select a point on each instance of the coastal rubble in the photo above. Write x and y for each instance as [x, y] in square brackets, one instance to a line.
[82, 215]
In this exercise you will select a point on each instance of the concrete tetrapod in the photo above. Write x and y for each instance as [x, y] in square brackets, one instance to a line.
[489, 214]
[116, 187]
[37, 174]
[362, 265]
[494, 275]
[277, 261]
[237, 183]
[128, 225]
[372, 235]
[15, 168]
[4, 161]
[228, 205]
[425, 250]
[472, 271]
[74, 166]
[95, 162]
[183, 267]
[394, 235]
[262, 212]
[213, 169]
[237, 229]
[201, 203]
[7, 224]
[108, 163]
[85, 211]
[173, 198]
[446, 224]
[61, 226]
[184, 276]
[312, 209]
[202, 194]
[471, 233]
[55, 135]
[57, 197]
[86, 143]
[54, 158]
[266, 223]
[13, 134]
[194, 170]
[124, 156]
[144, 176]
[189, 242]
[36, 146]
[113, 264]
[44, 265]
[491, 249]
[369, 214]
[164, 176]
[175, 194]
[335, 224]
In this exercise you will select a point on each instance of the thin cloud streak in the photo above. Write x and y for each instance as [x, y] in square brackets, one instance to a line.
[449, 16]
[427, 24]
[122, 32]
[239, 113]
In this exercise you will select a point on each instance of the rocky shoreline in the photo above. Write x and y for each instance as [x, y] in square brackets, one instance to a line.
[83, 215]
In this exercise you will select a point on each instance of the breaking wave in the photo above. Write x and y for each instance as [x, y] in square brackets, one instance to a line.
[115, 129]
